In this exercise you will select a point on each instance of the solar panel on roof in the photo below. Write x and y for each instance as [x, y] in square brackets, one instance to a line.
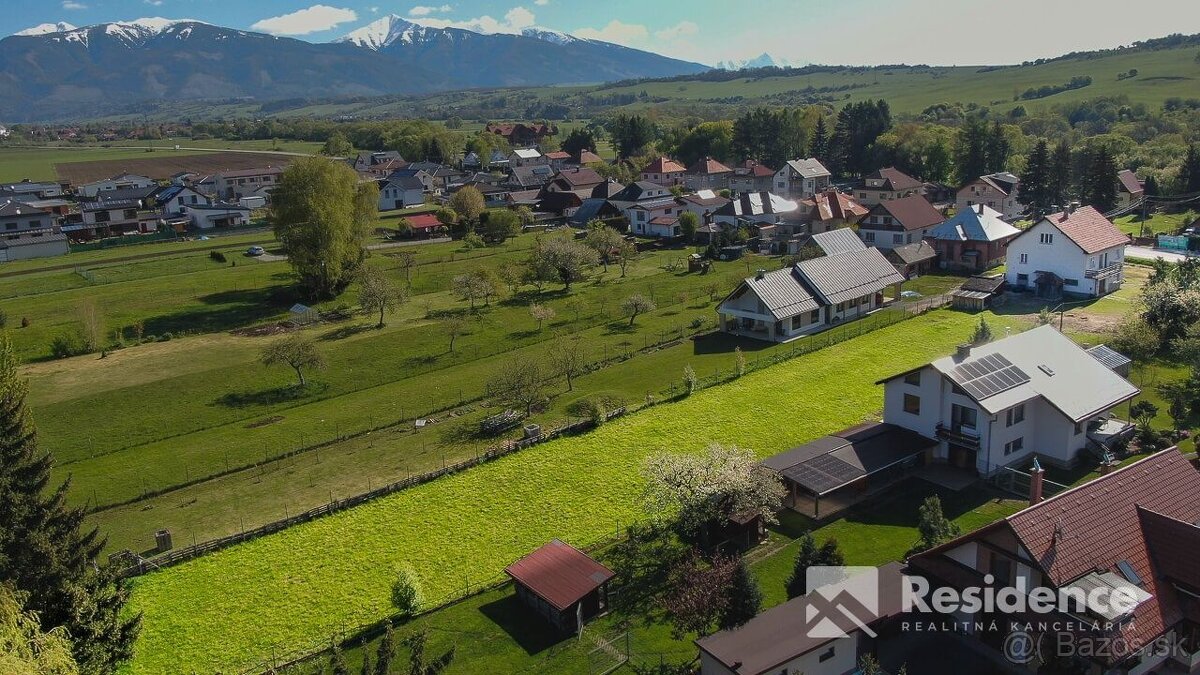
[823, 473]
[988, 375]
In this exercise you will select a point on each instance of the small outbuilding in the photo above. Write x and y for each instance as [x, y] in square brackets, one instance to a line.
[978, 292]
[562, 584]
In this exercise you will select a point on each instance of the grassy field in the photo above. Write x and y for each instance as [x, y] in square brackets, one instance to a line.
[1157, 223]
[1162, 74]
[38, 163]
[493, 632]
[296, 587]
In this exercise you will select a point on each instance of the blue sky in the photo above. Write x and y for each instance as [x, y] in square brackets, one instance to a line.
[803, 31]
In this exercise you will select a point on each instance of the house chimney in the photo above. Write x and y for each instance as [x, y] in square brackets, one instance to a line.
[981, 209]
[1035, 482]
[962, 352]
[760, 274]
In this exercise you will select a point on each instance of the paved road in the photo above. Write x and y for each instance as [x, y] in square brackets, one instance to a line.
[1151, 254]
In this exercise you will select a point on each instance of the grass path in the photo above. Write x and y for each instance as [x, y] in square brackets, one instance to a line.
[293, 589]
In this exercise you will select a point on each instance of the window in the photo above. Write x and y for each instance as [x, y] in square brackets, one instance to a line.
[1001, 569]
[1013, 446]
[1046, 238]
[826, 655]
[814, 316]
[1022, 278]
[1016, 415]
[1070, 282]
[102, 216]
[869, 236]
[961, 416]
[912, 404]
[130, 214]
[887, 220]
[10, 226]
[35, 223]
[1024, 258]
[913, 378]
[897, 239]
[862, 195]
[841, 307]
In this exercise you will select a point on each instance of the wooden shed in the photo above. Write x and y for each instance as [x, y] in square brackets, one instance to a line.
[562, 584]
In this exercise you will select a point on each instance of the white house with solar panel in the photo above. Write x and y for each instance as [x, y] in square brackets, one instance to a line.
[999, 404]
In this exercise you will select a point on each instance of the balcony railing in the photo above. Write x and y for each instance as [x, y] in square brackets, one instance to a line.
[958, 435]
[1106, 271]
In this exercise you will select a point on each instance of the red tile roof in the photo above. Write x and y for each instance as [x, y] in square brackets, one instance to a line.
[559, 573]
[1088, 228]
[707, 167]
[1128, 182]
[664, 220]
[913, 212]
[423, 221]
[558, 154]
[588, 157]
[1143, 513]
[664, 165]
[833, 205]
[577, 177]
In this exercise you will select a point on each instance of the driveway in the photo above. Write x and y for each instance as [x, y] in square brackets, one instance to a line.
[1152, 253]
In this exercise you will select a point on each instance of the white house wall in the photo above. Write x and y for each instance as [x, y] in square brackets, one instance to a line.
[1062, 257]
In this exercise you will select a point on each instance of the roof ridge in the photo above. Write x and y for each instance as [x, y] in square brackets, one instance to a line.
[1100, 480]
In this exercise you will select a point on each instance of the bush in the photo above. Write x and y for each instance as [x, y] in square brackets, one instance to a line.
[472, 240]
[697, 323]
[67, 345]
[595, 408]
[24, 322]
[3, 319]
[406, 593]
[165, 337]
[217, 256]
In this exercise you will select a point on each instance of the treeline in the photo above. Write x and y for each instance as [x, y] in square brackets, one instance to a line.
[1077, 82]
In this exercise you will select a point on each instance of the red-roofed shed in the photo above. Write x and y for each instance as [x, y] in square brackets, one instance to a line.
[562, 584]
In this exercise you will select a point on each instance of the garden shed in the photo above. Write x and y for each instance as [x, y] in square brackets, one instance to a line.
[978, 292]
[562, 584]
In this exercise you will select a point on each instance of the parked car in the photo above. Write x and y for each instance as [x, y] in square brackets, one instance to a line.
[255, 250]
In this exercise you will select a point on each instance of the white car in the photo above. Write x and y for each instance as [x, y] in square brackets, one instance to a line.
[255, 250]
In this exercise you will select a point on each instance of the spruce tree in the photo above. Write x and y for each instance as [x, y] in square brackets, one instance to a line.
[831, 553]
[820, 140]
[44, 552]
[806, 557]
[1151, 186]
[1035, 182]
[386, 652]
[1189, 173]
[971, 149]
[997, 149]
[337, 662]
[366, 664]
[1102, 181]
[1059, 181]
[743, 598]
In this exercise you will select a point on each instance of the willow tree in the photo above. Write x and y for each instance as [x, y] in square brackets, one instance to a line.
[322, 214]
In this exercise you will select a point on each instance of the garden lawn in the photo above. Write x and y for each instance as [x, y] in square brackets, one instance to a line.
[1157, 223]
[292, 590]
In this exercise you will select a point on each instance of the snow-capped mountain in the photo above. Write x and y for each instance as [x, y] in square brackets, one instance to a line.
[59, 70]
[43, 28]
[393, 29]
[763, 60]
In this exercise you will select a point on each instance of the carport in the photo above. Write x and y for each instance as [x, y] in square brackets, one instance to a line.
[832, 473]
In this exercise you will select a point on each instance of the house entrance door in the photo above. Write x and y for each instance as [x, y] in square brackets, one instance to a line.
[962, 457]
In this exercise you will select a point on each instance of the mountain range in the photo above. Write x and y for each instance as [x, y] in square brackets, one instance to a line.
[56, 71]
[763, 60]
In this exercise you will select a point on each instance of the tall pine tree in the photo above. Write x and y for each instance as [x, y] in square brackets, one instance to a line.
[44, 551]
[1102, 180]
[1059, 181]
[820, 140]
[1035, 182]
[971, 149]
[386, 651]
[997, 149]
[1189, 173]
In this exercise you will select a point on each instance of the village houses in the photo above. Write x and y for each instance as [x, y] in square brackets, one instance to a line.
[1077, 251]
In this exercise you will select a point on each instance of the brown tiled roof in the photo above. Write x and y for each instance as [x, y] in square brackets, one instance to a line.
[1128, 182]
[588, 157]
[1088, 228]
[707, 167]
[752, 167]
[558, 154]
[833, 205]
[912, 212]
[579, 177]
[896, 179]
[664, 165]
[559, 573]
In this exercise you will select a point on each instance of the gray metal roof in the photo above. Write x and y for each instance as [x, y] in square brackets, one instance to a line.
[831, 462]
[853, 274]
[976, 223]
[1109, 357]
[837, 241]
[1060, 371]
[809, 168]
[783, 293]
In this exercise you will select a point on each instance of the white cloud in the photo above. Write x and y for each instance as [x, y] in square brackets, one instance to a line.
[156, 3]
[304, 21]
[679, 30]
[71, 4]
[628, 34]
[541, 3]
[425, 10]
[514, 21]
